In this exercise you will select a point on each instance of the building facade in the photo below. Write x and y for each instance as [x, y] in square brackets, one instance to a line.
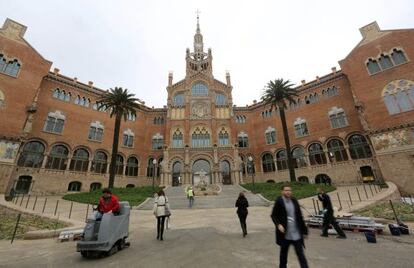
[351, 125]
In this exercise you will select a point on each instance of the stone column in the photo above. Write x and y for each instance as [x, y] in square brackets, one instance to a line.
[45, 157]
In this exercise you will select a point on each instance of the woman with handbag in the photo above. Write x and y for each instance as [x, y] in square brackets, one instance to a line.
[161, 211]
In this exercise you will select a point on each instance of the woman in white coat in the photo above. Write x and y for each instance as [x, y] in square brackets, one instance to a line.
[161, 211]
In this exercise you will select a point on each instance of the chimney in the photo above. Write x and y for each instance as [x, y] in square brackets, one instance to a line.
[317, 78]
[75, 79]
[90, 83]
[228, 78]
[165, 106]
[333, 70]
[254, 101]
[170, 78]
[303, 82]
[56, 71]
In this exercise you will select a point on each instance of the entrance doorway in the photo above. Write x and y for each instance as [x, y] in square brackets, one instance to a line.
[176, 176]
[323, 179]
[23, 184]
[201, 172]
[225, 172]
[367, 174]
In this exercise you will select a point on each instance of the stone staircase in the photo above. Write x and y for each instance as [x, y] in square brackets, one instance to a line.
[225, 199]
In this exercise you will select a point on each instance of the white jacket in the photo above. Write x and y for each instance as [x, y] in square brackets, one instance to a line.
[161, 202]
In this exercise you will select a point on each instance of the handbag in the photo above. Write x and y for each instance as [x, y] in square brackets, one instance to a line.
[167, 212]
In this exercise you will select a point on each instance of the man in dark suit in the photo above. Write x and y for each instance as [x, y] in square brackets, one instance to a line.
[290, 227]
[328, 217]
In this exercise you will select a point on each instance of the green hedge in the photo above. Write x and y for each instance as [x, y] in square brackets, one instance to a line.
[134, 196]
[299, 189]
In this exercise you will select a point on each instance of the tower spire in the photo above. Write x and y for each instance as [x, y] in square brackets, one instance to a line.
[198, 21]
[198, 37]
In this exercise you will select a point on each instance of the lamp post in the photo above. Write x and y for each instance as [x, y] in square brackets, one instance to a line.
[251, 168]
[154, 163]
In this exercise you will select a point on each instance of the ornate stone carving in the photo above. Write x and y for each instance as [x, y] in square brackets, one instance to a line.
[200, 110]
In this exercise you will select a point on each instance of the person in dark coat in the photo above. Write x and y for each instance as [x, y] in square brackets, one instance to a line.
[290, 227]
[242, 204]
[328, 217]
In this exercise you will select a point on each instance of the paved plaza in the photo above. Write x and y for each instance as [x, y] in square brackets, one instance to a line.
[212, 238]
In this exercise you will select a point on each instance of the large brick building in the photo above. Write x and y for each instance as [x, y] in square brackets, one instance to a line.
[347, 126]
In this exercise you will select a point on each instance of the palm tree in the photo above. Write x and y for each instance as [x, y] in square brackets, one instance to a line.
[121, 104]
[276, 94]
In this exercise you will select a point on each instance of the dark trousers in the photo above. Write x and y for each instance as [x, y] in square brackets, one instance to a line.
[160, 226]
[190, 201]
[299, 252]
[242, 218]
[329, 219]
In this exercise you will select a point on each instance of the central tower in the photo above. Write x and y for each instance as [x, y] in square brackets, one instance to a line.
[198, 61]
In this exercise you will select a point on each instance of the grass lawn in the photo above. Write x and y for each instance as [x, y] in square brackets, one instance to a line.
[27, 223]
[134, 196]
[272, 190]
[384, 210]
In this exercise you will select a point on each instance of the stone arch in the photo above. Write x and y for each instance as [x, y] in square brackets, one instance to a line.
[82, 147]
[60, 143]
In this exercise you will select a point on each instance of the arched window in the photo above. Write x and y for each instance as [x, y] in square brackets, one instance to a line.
[225, 172]
[132, 167]
[270, 135]
[62, 95]
[96, 131]
[95, 186]
[243, 140]
[99, 163]
[58, 157]
[119, 170]
[178, 100]
[281, 160]
[80, 160]
[157, 142]
[298, 155]
[358, 147]
[176, 173]
[373, 66]
[128, 138]
[12, 68]
[68, 96]
[303, 179]
[3, 63]
[159, 166]
[385, 62]
[32, 155]
[200, 137]
[223, 138]
[316, 154]
[398, 96]
[301, 127]
[56, 93]
[267, 163]
[199, 89]
[177, 141]
[54, 122]
[337, 117]
[221, 99]
[398, 56]
[336, 151]
[74, 186]
[131, 116]
[77, 100]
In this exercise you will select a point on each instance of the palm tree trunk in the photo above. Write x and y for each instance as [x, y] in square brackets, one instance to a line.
[115, 142]
[287, 143]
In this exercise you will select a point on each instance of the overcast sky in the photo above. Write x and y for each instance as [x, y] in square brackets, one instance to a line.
[134, 44]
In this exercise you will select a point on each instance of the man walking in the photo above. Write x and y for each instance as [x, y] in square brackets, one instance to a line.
[190, 196]
[290, 227]
[328, 217]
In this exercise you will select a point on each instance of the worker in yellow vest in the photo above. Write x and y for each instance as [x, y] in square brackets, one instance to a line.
[190, 196]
